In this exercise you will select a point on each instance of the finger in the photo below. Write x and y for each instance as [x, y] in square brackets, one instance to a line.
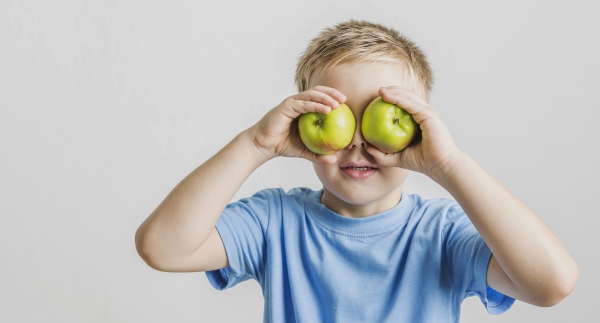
[317, 96]
[404, 91]
[420, 110]
[319, 159]
[334, 93]
[295, 108]
[409, 95]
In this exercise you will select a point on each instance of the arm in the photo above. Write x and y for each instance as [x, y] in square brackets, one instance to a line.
[180, 234]
[173, 236]
[529, 263]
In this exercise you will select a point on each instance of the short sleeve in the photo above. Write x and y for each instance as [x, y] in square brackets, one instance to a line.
[242, 227]
[468, 257]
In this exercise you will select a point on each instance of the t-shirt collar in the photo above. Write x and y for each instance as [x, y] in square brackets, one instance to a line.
[377, 224]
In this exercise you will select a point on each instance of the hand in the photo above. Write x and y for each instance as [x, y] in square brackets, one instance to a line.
[435, 153]
[276, 134]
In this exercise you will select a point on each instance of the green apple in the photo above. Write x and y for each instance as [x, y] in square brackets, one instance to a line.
[325, 133]
[387, 126]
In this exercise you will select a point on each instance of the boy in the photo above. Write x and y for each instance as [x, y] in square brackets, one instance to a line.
[359, 250]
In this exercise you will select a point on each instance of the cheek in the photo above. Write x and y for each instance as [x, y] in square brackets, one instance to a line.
[324, 171]
[396, 175]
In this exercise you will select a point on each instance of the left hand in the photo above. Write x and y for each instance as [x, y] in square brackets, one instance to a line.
[435, 153]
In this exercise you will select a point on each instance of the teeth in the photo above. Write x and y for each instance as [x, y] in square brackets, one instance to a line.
[359, 168]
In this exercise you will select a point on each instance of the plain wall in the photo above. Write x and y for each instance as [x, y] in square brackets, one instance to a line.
[106, 105]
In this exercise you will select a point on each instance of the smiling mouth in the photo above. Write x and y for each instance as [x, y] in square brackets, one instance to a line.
[359, 173]
[359, 168]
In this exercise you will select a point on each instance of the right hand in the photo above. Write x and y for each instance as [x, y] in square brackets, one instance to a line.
[276, 134]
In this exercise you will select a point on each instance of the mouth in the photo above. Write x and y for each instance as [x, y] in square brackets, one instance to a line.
[359, 168]
[359, 172]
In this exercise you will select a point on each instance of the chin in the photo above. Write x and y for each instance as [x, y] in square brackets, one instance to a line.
[360, 196]
[361, 192]
[354, 196]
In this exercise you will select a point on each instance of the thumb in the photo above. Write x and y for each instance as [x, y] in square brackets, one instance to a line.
[384, 159]
[319, 159]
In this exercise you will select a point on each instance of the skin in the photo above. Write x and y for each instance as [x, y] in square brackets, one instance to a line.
[382, 191]
[529, 263]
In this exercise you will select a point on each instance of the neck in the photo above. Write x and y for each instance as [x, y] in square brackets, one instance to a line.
[347, 209]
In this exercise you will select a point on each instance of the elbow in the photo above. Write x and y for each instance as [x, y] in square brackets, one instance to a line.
[560, 288]
[144, 250]
[152, 252]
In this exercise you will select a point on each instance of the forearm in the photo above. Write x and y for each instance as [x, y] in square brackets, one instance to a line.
[528, 252]
[186, 217]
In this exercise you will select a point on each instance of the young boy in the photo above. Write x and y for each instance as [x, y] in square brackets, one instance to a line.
[359, 250]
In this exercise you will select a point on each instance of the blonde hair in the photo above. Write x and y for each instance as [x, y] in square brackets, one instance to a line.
[355, 41]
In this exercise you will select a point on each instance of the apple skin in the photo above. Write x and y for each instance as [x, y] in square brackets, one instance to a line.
[326, 133]
[387, 126]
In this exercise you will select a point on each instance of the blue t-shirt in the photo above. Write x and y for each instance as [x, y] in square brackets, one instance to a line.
[413, 263]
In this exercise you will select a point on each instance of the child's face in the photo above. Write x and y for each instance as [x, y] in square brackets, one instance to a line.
[347, 191]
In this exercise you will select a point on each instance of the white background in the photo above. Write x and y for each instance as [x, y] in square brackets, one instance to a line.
[106, 105]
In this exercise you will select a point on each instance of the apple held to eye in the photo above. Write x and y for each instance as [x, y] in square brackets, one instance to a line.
[326, 133]
[387, 126]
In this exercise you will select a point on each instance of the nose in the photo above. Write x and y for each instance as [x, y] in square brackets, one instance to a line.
[358, 140]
